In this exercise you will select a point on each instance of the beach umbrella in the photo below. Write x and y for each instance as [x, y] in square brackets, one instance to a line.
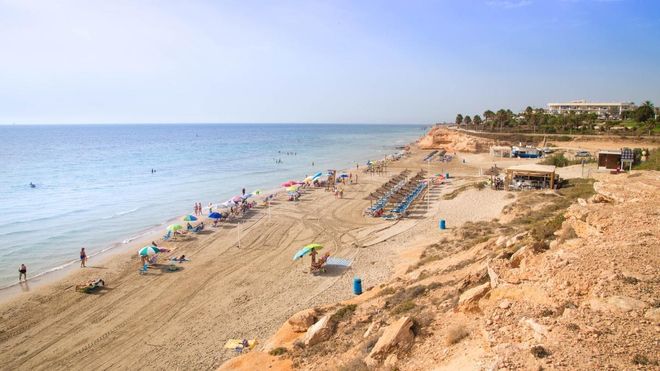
[215, 215]
[174, 227]
[148, 251]
[257, 192]
[293, 188]
[189, 218]
[237, 198]
[343, 175]
[317, 175]
[228, 203]
[246, 196]
[306, 250]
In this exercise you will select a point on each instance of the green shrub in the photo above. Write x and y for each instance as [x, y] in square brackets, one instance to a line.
[343, 313]
[277, 351]
[404, 307]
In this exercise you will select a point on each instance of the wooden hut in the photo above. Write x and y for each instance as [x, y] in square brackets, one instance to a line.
[531, 176]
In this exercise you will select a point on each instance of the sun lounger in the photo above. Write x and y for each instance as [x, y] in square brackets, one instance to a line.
[167, 236]
[90, 286]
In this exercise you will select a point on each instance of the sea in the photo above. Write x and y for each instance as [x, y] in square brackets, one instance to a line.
[103, 186]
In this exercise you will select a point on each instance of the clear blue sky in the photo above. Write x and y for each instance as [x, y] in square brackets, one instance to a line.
[318, 61]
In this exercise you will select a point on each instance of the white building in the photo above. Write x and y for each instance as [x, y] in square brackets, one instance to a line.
[611, 109]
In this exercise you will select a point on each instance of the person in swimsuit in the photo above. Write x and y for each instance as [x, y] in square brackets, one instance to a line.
[313, 254]
[22, 273]
[83, 258]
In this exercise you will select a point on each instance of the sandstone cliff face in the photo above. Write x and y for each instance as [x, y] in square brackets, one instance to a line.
[453, 141]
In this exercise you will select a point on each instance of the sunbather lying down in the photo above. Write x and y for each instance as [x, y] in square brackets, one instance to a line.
[180, 259]
[90, 285]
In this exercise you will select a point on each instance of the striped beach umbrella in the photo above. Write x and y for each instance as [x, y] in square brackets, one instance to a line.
[189, 218]
[148, 251]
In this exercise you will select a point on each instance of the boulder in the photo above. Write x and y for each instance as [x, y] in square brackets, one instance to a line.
[319, 332]
[302, 320]
[493, 276]
[625, 303]
[653, 315]
[616, 303]
[474, 294]
[398, 337]
[517, 256]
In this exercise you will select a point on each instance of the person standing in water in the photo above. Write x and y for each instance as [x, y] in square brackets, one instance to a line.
[83, 258]
[22, 272]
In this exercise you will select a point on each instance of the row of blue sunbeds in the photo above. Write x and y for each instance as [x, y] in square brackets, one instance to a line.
[400, 209]
[380, 204]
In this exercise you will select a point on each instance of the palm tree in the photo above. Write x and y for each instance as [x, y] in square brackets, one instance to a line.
[490, 117]
[459, 119]
[467, 121]
[476, 121]
[501, 117]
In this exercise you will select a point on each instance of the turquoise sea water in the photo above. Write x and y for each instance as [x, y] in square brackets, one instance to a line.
[95, 188]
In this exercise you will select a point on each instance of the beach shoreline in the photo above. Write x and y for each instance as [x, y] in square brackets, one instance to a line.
[225, 291]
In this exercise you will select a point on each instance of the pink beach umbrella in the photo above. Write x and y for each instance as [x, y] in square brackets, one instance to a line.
[237, 199]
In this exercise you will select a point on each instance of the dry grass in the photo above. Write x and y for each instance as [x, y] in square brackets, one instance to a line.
[356, 364]
[343, 313]
[404, 307]
[455, 334]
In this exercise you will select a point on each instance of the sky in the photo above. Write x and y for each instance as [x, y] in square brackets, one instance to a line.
[366, 61]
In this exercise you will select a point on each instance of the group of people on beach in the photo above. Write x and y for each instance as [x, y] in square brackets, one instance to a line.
[198, 208]
[22, 269]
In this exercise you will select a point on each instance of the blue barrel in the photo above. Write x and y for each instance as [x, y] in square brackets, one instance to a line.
[357, 286]
[446, 175]
[443, 225]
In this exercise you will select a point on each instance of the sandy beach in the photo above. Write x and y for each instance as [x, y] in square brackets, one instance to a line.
[182, 319]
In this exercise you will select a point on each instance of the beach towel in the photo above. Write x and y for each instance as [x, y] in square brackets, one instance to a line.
[238, 343]
[339, 261]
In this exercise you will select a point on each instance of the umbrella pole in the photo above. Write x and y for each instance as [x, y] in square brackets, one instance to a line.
[239, 234]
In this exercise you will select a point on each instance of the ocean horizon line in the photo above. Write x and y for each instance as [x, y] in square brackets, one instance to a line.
[213, 123]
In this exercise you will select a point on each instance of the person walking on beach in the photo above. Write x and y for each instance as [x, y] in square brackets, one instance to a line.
[83, 258]
[22, 272]
[243, 191]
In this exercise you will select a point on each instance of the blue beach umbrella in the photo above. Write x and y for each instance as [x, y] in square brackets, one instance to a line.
[215, 215]
[317, 175]
[189, 218]
[306, 250]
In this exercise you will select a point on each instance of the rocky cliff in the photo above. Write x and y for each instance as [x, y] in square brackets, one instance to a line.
[570, 281]
[454, 141]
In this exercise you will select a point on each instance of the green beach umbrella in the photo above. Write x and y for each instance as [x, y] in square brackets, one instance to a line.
[174, 227]
[148, 251]
[189, 218]
[257, 192]
[306, 250]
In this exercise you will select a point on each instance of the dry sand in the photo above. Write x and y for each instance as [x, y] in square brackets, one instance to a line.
[182, 319]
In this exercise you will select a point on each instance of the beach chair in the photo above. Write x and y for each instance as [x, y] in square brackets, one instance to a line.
[167, 236]
[144, 269]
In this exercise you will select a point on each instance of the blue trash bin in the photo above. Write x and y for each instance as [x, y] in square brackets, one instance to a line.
[446, 175]
[357, 286]
[443, 225]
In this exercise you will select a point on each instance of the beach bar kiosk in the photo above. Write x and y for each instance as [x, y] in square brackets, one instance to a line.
[609, 159]
[532, 176]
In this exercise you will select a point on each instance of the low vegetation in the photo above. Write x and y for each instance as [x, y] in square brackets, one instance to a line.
[455, 334]
[343, 313]
[651, 163]
[277, 351]
[640, 121]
